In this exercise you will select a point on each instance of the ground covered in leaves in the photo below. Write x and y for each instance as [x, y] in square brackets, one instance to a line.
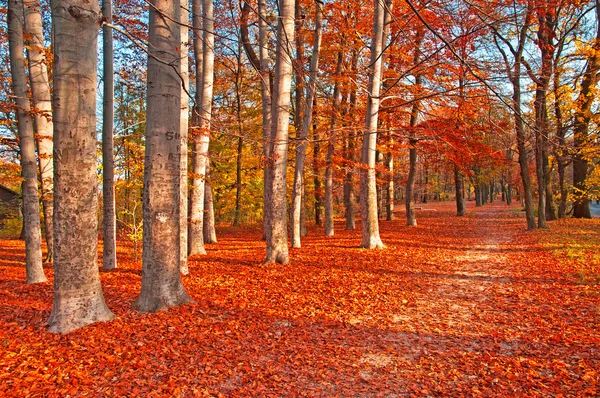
[471, 306]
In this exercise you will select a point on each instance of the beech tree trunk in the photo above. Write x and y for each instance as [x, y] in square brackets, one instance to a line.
[459, 183]
[368, 183]
[583, 116]
[109, 218]
[31, 206]
[317, 169]
[329, 226]
[202, 140]
[276, 232]
[298, 191]
[183, 136]
[161, 260]
[78, 298]
[266, 90]
[349, 195]
[409, 200]
[209, 233]
[40, 90]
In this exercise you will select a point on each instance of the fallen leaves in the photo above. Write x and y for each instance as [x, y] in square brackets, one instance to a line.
[454, 307]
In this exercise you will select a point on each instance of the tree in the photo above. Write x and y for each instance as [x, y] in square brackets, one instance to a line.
[31, 206]
[276, 223]
[40, 90]
[298, 190]
[161, 260]
[368, 183]
[202, 138]
[583, 116]
[78, 298]
[183, 136]
[513, 69]
[109, 230]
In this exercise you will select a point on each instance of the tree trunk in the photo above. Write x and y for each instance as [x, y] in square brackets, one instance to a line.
[329, 226]
[40, 89]
[31, 206]
[317, 169]
[390, 182]
[240, 143]
[266, 90]
[109, 218]
[209, 233]
[349, 195]
[411, 219]
[298, 191]
[183, 136]
[202, 140]
[459, 183]
[368, 184]
[161, 260]
[522, 149]
[78, 298]
[583, 116]
[277, 245]
[409, 200]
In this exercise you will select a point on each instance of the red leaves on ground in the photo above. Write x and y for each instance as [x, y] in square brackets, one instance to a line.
[454, 307]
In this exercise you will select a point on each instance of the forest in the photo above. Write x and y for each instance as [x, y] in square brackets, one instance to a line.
[299, 198]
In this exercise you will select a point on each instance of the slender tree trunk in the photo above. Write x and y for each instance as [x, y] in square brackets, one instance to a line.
[329, 226]
[183, 135]
[368, 184]
[40, 88]
[409, 200]
[298, 191]
[31, 206]
[390, 181]
[265, 87]
[522, 149]
[317, 169]
[209, 233]
[459, 183]
[349, 196]
[411, 219]
[78, 298]
[201, 142]
[109, 218]
[240, 143]
[583, 116]
[161, 260]
[277, 245]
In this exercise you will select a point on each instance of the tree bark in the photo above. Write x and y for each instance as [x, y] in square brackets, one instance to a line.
[161, 260]
[317, 169]
[109, 218]
[459, 183]
[202, 140]
[31, 206]
[329, 225]
[277, 240]
[40, 89]
[349, 195]
[368, 184]
[78, 298]
[583, 116]
[409, 200]
[183, 136]
[298, 191]
[209, 233]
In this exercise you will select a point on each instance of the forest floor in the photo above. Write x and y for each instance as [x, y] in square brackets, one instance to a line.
[470, 306]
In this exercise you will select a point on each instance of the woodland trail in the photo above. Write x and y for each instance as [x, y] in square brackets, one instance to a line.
[468, 306]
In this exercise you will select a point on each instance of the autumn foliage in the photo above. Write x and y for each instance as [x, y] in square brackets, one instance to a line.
[458, 306]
